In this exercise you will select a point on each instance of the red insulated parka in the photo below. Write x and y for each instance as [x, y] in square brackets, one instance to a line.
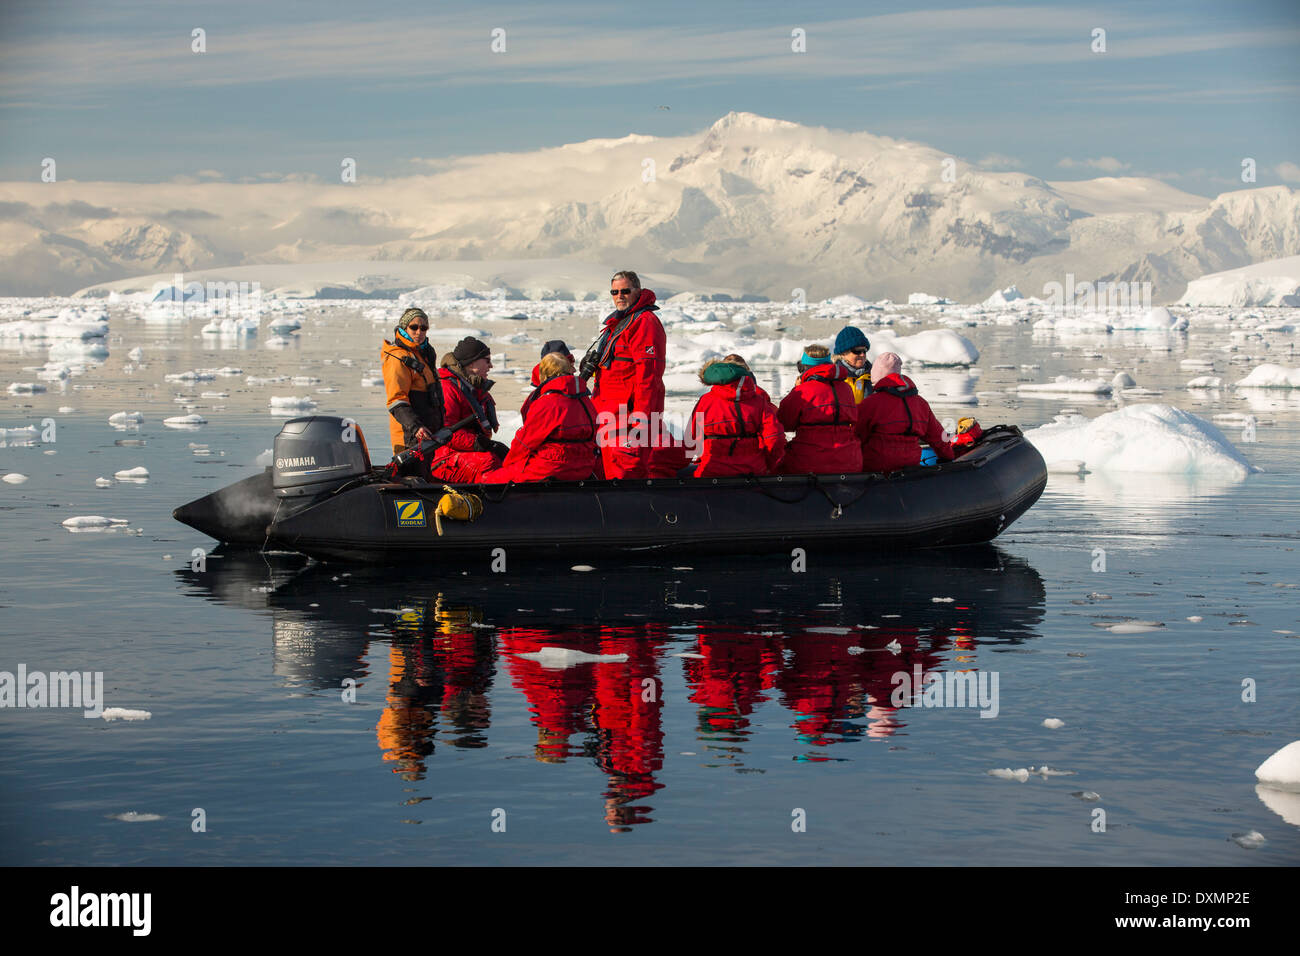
[465, 458]
[629, 376]
[820, 410]
[737, 431]
[557, 439]
[892, 420]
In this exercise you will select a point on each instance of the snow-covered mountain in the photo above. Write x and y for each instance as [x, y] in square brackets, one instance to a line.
[756, 204]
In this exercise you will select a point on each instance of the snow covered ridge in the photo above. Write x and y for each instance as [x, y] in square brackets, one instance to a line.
[1141, 438]
[746, 199]
[1272, 283]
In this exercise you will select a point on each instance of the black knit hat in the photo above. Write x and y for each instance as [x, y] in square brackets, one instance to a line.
[470, 349]
[556, 345]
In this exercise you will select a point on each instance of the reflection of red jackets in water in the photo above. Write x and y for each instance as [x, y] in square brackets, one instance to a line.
[631, 738]
[557, 439]
[822, 413]
[731, 677]
[559, 699]
[892, 420]
[739, 431]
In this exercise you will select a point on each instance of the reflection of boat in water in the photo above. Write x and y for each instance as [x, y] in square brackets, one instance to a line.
[323, 498]
[818, 650]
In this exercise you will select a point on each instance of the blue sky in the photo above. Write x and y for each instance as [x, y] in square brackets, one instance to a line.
[112, 91]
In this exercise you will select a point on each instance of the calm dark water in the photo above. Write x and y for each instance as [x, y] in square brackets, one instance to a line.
[751, 720]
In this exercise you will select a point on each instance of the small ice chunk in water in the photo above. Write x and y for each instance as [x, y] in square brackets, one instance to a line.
[1196, 619]
[1249, 841]
[125, 418]
[123, 713]
[1135, 627]
[102, 482]
[1282, 770]
[1045, 771]
[557, 658]
[14, 478]
[132, 817]
[1006, 773]
[941, 600]
[138, 473]
[690, 654]
[1098, 596]
[91, 521]
[185, 421]
[855, 649]
[136, 354]
[1052, 723]
[893, 647]
[1087, 796]
[582, 567]
[685, 606]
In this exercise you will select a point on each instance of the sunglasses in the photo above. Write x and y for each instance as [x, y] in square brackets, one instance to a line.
[858, 351]
[418, 328]
[618, 292]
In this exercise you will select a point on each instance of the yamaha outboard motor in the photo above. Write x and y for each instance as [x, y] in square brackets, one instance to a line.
[318, 454]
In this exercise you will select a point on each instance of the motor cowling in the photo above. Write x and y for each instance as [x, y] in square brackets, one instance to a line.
[317, 454]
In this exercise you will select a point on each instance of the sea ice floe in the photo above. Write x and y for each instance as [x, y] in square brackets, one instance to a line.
[1271, 376]
[1195, 618]
[893, 647]
[123, 713]
[1206, 382]
[185, 421]
[1087, 796]
[1052, 723]
[138, 473]
[136, 354]
[1065, 385]
[1282, 769]
[1135, 627]
[932, 347]
[91, 522]
[122, 419]
[14, 478]
[1249, 840]
[102, 482]
[132, 817]
[690, 654]
[557, 658]
[1006, 773]
[291, 403]
[582, 567]
[1142, 438]
[26, 388]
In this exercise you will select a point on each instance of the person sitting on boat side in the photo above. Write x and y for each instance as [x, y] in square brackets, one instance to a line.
[558, 438]
[894, 418]
[626, 366]
[410, 369]
[734, 425]
[555, 345]
[822, 414]
[465, 391]
[851, 347]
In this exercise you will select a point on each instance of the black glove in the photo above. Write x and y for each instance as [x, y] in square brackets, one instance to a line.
[588, 366]
[442, 436]
[498, 449]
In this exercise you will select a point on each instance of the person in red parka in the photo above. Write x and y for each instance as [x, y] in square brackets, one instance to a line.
[734, 426]
[893, 419]
[558, 438]
[626, 366]
[465, 390]
[821, 412]
[555, 345]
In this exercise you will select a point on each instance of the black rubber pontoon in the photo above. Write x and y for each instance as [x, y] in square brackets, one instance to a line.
[361, 516]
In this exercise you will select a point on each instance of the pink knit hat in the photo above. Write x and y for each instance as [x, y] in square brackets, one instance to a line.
[886, 363]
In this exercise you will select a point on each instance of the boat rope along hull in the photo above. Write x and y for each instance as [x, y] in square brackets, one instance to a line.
[970, 500]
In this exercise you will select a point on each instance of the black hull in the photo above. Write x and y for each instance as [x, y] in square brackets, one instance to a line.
[964, 502]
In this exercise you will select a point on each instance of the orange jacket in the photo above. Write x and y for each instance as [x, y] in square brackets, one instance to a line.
[411, 402]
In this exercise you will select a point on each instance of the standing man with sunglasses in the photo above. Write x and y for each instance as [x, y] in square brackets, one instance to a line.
[411, 386]
[626, 365]
[851, 347]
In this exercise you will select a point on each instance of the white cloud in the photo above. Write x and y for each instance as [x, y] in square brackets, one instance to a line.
[998, 161]
[1288, 172]
[1107, 164]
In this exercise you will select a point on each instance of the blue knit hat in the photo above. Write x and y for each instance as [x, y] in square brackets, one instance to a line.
[849, 338]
